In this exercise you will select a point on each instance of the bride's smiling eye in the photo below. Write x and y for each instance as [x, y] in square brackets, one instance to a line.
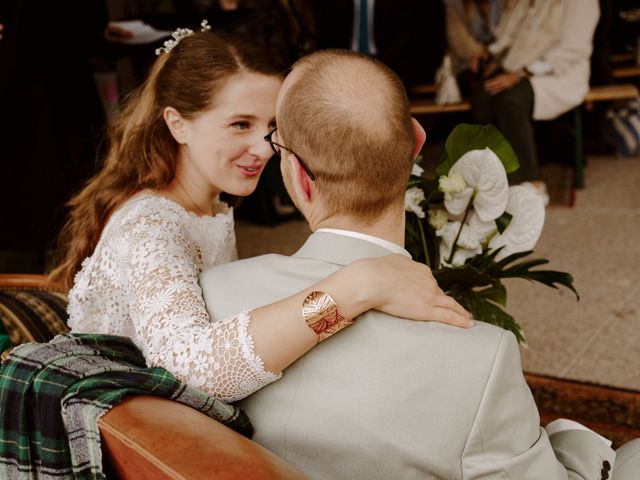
[240, 125]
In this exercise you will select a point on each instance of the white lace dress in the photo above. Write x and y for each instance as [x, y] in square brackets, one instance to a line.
[142, 282]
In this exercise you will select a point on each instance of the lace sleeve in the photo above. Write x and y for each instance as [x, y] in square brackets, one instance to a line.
[172, 326]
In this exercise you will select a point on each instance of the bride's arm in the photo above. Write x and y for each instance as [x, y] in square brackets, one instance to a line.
[234, 357]
[393, 284]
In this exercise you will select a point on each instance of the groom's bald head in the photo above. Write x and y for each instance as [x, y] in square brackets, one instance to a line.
[347, 116]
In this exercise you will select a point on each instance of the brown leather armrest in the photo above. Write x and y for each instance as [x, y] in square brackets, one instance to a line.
[154, 438]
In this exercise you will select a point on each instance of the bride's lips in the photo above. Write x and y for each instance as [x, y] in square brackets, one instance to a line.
[250, 171]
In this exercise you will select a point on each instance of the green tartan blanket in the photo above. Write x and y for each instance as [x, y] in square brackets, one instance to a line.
[5, 343]
[53, 394]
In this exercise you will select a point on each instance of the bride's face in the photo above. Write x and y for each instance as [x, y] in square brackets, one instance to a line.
[224, 148]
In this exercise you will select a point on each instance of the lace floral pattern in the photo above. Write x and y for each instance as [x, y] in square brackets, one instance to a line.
[142, 282]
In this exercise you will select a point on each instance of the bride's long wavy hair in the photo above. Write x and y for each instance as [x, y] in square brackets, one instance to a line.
[141, 152]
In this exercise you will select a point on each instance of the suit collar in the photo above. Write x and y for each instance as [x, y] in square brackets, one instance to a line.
[338, 249]
[363, 236]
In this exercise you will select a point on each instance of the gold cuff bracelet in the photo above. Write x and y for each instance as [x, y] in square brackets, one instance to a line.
[320, 312]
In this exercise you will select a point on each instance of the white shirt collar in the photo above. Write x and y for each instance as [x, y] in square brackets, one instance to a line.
[368, 238]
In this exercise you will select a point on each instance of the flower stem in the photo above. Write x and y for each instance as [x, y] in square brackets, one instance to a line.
[464, 219]
[424, 244]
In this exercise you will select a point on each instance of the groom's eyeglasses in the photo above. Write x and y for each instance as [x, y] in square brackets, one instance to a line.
[276, 147]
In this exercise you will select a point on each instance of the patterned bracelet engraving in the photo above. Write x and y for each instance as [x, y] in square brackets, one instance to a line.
[320, 312]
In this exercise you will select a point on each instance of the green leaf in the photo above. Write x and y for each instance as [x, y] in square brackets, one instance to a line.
[512, 258]
[552, 277]
[484, 310]
[466, 137]
[484, 261]
[423, 240]
[466, 276]
[410, 229]
[496, 293]
[417, 234]
[431, 190]
[435, 196]
[519, 268]
[503, 221]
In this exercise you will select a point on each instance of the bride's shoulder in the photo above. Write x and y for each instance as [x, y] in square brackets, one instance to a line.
[148, 204]
[149, 209]
[145, 210]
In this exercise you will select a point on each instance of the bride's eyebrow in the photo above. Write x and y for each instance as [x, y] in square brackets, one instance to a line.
[241, 116]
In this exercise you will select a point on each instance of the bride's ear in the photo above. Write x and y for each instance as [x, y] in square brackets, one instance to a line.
[176, 124]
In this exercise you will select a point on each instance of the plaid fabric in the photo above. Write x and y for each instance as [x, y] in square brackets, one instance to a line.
[53, 394]
[5, 342]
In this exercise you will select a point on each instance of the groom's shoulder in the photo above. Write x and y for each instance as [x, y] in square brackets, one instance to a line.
[257, 281]
[481, 341]
[269, 267]
[253, 262]
[245, 266]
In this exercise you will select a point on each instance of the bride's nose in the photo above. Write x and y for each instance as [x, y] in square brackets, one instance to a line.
[260, 148]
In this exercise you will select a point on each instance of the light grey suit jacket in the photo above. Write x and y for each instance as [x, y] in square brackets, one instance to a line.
[389, 398]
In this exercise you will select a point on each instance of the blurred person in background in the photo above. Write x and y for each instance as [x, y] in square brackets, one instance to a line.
[407, 35]
[471, 27]
[536, 69]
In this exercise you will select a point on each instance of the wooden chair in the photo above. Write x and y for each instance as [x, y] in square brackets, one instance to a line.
[144, 437]
[154, 438]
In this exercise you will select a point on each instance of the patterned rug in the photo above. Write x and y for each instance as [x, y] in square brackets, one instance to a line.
[612, 412]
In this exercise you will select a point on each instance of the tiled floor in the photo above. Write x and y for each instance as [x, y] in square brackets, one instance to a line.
[596, 339]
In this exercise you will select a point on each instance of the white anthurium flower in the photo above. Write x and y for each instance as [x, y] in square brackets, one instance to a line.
[417, 170]
[412, 200]
[482, 230]
[527, 209]
[447, 236]
[452, 184]
[485, 175]
[469, 241]
[438, 218]
[459, 258]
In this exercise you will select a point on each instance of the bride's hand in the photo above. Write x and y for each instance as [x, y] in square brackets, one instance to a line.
[401, 287]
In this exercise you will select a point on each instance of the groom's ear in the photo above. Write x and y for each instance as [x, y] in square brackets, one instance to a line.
[419, 136]
[295, 178]
[303, 181]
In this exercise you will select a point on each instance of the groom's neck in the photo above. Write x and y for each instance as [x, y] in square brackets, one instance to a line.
[388, 226]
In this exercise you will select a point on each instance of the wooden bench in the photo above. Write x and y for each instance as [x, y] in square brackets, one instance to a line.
[609, 93]
[626, 72]
[420, 105]
[425, 106]
[604, 93]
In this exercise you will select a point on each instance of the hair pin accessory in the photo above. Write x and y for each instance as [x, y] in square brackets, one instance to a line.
[179, 34]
